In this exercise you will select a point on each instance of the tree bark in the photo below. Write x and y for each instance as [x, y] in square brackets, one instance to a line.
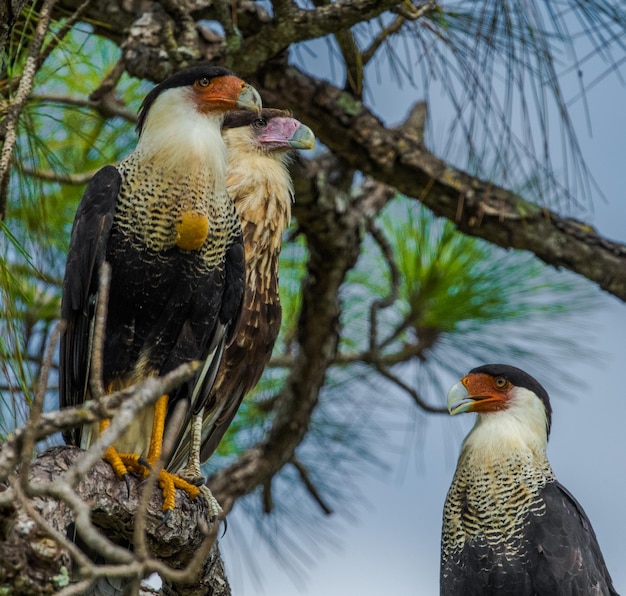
[34, 561]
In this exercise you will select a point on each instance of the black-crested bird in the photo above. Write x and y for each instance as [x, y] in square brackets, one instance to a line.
[164, 222]
[509, 527]
[259, 182]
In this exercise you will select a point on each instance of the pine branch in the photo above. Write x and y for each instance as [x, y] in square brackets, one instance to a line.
[397, 159]
[21, 96]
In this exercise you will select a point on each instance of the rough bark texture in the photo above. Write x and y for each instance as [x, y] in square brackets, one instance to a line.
[33, 562]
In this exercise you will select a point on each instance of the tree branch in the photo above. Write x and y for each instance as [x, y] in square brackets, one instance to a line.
[397, 158]
[301, 25]
[35, 556]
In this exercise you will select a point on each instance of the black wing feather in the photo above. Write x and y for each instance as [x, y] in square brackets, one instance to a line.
[199, 389]
[90, 234]
[567, 559]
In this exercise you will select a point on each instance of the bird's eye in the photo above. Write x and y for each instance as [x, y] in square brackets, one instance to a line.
[203, 82]
[259, 123]
[500, 382]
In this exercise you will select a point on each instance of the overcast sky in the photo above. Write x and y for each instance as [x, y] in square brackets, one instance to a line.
[393, 546]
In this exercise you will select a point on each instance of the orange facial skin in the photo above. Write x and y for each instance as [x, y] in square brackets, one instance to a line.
[225, 93]
[479, 392]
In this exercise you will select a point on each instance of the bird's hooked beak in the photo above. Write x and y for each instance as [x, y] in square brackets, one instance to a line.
[476, 393]
[459, 400]
[226, 93]
[285, 134]
[303, 138]
[249, 99]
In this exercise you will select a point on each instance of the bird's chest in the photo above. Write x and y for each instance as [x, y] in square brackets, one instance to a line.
[489, 503]
[190, 213]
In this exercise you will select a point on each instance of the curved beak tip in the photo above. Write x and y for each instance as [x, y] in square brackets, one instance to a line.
[249, 99]
[303, 138]
[459, 400]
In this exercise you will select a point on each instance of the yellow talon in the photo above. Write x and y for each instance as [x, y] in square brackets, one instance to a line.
[123, 463]
[116, 461]
[169, 483]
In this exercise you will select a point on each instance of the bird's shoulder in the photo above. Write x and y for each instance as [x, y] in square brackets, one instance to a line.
[92, 224]
[565, 552]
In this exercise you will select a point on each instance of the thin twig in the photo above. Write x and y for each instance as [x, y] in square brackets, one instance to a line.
[414, 395]
[145, 394]
[139, 531]
[76, 589]
[106, 108]
[110, 81]
[394, 273]
[181, 576]
[63, 31]
[192, 570]
[77, 554]
[36, 409]
[77, 179]
[61, 490]
[91, 411]
[308, 483]
[381, 38]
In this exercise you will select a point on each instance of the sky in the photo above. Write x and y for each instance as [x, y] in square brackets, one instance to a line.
[392, 543]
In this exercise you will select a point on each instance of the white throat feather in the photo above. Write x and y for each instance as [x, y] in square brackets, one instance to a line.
[176, 137]
[520, 428]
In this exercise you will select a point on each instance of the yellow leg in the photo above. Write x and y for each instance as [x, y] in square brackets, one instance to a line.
[112, 456]
[123, 463]
[158, 428]
[169, 483]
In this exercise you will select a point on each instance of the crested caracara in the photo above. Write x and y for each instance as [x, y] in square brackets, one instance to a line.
[259, 183]
[164, 222]
[509, 527]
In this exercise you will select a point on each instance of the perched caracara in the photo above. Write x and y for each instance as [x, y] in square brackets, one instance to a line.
[259, 183]
[164, 222]
[509, 527]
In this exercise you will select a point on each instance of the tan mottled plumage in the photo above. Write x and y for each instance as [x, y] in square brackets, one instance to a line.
[259, 183]
[491, 499]
[152, 221]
